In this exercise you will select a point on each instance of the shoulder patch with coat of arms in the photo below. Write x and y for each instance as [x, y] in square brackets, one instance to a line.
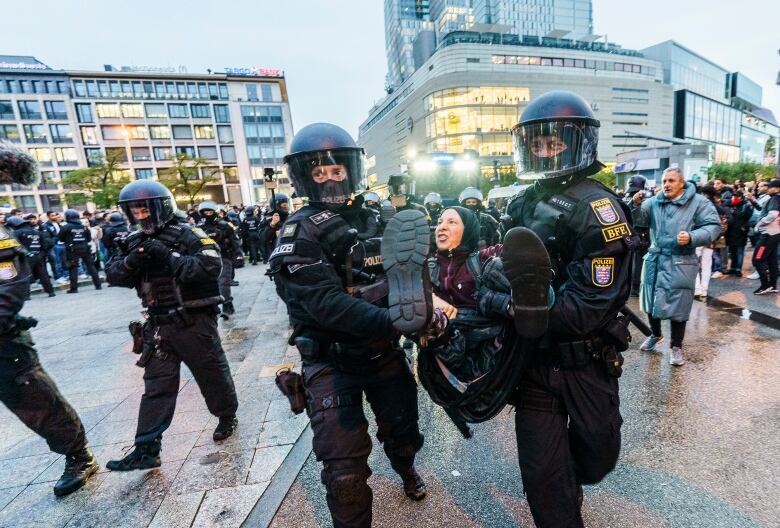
[603, 271]
[605, 212]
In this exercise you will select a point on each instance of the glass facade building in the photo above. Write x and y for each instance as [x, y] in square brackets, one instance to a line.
[143, 120]
[405, 20]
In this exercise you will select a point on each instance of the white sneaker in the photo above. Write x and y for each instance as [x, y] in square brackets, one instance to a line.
[676, 358]
[753, 276]
[716, 275]
[82, 275]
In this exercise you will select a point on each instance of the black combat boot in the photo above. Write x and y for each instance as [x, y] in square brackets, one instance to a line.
[79, 466]
[405, 245]
[414, 486]
[143, 456]
[228, 309]
[226, 427]
[527, 266]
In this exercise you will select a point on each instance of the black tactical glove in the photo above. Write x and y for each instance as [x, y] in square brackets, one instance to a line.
[156, 250]
[136, 259]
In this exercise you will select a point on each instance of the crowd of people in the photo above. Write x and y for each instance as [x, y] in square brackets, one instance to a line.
[525, 306]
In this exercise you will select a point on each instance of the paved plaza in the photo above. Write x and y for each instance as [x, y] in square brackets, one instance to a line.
[699, 442]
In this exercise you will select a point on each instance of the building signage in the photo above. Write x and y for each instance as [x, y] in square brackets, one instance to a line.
[22, 66]
[254, 71]
[149, 69]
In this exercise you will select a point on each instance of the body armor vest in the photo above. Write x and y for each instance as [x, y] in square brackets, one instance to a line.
[160, 289]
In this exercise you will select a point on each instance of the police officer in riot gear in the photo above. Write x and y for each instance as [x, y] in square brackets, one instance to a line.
[77, 238]
[348, 345]
[471, 198]
[25, 388]
[224, 234]
[32, 240]
[116, 231]
[174, 267]
[568, 418]
[402, 194]
[433, 205]
[250, 230]
[274, 218]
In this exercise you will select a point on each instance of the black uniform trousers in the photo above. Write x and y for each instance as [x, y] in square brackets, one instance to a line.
[199, 347]
[335, 406]
[254, 244]
[575, 441]
[765, 259]
[38, 269]
[225, 278]
[28, 392]
[73, 264]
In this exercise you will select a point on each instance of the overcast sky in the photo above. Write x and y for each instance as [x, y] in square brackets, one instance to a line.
[332, 51]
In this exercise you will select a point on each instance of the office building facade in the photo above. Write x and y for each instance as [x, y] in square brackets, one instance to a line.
[238, 121]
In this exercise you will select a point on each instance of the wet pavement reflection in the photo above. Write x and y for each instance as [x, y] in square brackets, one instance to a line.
[700, 445]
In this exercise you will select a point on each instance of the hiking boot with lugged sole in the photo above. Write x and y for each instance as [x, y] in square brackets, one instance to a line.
[414, 485]
[405, 246]
[527, 266]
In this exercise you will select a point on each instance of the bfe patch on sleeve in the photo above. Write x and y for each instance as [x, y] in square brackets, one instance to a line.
[603, 271]
[615, 232]
[605, 211]
[283, 249]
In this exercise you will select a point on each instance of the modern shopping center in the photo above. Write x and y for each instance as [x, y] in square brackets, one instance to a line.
[238, 121]
[462, 100]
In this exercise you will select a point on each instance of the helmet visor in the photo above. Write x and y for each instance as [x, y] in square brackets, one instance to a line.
[148, 214]
[552, 149]
[327, 176]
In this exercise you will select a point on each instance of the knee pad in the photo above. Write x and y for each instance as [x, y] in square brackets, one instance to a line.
[347, 481]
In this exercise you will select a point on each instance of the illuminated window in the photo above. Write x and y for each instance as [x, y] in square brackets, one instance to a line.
[107, 110]
[131, 110]
[204, 132]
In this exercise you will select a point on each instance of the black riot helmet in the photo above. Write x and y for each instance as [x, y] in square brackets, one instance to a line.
[73, 216]
[277, 200]
[325, 164]
[116, 219]
[556, 137]
[249, 211]
[147, 203]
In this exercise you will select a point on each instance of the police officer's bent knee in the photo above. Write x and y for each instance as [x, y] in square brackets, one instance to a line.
[25, 387]
[568, 418]
[348, 345]
[175, 268]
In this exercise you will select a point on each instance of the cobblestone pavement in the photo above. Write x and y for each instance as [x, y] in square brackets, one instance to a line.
[699, 449]
[84, 344]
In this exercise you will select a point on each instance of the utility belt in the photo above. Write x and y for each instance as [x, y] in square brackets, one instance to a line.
[604, 348]
[345, 356]
[179, 317]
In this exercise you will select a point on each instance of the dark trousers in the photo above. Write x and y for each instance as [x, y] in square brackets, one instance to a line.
[678, 330]
[341, 442]
[38, 269]
[199, 347]
[575, 442]
[765, 259]
[28, 392]
[253, 243]
[225, 278]
[89, 264]
[736, 257]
